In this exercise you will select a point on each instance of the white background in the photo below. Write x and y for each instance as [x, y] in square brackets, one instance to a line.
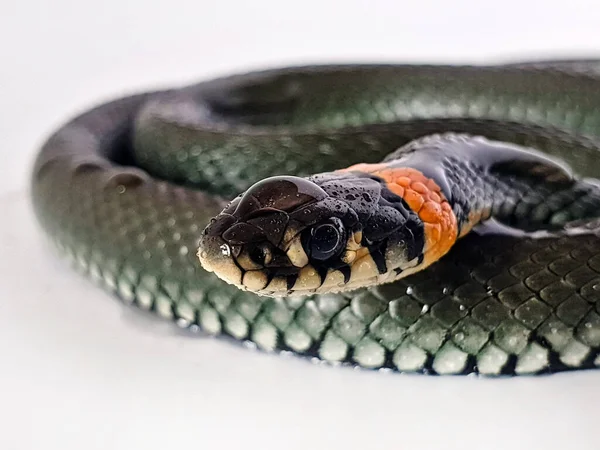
[79, 371]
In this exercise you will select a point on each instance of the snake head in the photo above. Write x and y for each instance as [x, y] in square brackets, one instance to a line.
[289, 235]
[264, 240]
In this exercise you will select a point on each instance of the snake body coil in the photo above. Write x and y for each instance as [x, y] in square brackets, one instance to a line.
[392, 276]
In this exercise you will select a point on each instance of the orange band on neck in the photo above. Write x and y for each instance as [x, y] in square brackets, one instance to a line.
[425, 198]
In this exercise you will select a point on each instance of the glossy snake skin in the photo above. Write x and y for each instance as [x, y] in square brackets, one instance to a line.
[124, 191]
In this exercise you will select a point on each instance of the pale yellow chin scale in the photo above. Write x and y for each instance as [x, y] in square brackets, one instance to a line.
[363, 272]
[255, 280]
[353, 248]
[216, 256]
[296, 253]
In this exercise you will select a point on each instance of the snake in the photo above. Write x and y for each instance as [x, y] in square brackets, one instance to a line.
[436, 219]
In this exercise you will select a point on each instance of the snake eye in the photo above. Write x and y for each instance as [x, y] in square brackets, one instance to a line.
[327, 239]
[261, 255]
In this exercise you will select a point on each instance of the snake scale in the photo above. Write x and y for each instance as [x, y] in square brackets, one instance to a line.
[125, 190]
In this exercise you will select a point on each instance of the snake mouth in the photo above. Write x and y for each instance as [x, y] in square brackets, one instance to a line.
[251, 268]
[273, 273]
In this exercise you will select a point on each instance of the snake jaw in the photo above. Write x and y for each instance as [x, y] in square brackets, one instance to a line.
[252, 265]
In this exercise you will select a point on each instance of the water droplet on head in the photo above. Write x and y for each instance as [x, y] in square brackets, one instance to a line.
[462, 307]
[409, 290]
[424, 309]
[445, 290]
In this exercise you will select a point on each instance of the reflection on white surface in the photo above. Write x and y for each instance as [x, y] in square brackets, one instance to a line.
[82, 371]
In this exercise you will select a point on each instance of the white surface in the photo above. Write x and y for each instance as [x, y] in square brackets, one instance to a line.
[80, 371]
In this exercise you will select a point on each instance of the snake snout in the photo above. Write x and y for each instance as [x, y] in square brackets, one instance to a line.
[215, 255]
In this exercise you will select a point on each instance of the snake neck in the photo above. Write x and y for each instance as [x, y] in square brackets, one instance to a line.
[453, 182]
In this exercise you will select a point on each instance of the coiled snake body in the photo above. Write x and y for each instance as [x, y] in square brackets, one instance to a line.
[397, 263]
